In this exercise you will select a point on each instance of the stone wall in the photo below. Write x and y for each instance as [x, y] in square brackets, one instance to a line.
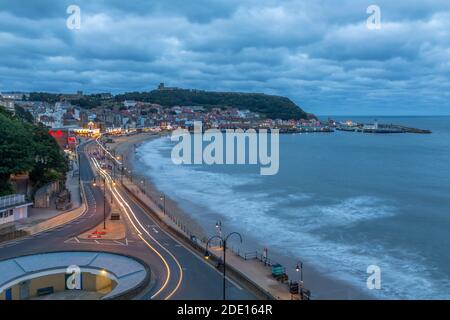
[43, 196]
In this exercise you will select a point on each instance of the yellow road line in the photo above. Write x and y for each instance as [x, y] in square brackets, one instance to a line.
[117, 195]
[165, 263]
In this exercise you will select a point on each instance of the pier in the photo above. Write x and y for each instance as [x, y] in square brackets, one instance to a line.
[378, 128]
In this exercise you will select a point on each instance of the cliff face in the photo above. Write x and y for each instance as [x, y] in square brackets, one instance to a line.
[270, 106]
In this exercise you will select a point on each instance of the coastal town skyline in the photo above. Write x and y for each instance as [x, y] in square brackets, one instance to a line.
[324, 58]
[238, 157]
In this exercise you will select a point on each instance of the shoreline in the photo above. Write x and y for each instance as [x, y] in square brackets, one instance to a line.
[321, 285]
[125, 146]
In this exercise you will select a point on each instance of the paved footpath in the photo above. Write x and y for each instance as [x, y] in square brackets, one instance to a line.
[178, 273]
[253, 270]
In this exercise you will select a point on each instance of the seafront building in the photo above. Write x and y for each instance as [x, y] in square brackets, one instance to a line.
[65, 117]
[13, 207]
[8, 104]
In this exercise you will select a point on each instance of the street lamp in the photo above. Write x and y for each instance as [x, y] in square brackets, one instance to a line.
[143, 186]
[113, 185]
[219, 227]
[94, 184]
[163, 198]
[224, 244]
[104, 203]
[299, 268]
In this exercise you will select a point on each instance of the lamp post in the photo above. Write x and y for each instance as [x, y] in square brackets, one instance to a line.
[163, 198]
[143, 186]
[299, 268]
[113, 185]
[116, 162]
[224, 246]
[94, 184]
[104, 203]
[219, 227]
[79, 172]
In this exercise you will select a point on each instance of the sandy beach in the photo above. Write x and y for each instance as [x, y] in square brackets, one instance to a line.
[319, 282]
[126, 146]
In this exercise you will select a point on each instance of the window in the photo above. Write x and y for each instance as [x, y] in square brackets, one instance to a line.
[6, 214]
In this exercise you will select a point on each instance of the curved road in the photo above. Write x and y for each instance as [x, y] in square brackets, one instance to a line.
[177, 272]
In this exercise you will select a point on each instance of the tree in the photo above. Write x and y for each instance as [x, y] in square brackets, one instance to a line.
[23, 114]
[268, 105]
[16, 150]
[51, 163]
[25, 147]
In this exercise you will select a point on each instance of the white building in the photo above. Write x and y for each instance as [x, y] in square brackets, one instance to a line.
[13, 207]
[15, 95]
[129, 103]
[8, 104]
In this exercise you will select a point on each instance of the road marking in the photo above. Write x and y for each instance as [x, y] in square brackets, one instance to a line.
[191, 251]
[124, 203]
[165, 264]
[72, 240]
[10, 244]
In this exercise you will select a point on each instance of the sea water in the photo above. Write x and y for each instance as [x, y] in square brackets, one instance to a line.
[340, 202]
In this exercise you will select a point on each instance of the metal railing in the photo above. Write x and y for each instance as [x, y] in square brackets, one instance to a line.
[141, 186]
[11, 200]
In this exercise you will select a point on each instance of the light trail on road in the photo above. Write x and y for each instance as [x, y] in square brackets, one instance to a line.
[209, 265]
[127, 209]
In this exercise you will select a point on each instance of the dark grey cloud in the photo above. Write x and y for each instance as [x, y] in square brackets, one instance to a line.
[318, 53]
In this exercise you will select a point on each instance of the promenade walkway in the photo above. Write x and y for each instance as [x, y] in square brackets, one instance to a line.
[252, 270]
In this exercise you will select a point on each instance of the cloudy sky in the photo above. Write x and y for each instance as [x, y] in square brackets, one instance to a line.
[319, 53]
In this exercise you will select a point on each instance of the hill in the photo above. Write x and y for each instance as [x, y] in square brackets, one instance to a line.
[275, 107]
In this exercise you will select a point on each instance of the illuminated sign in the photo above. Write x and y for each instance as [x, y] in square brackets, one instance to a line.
[56, 134]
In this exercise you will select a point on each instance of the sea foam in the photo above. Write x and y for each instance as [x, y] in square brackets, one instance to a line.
[293, 224]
